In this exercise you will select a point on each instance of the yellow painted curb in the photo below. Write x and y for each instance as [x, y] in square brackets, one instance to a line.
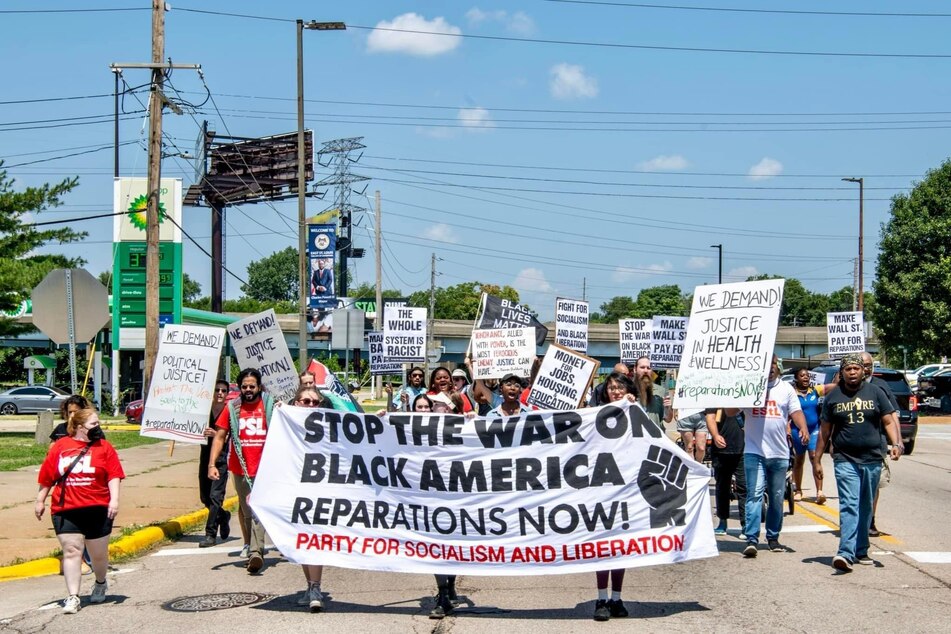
[133, 544]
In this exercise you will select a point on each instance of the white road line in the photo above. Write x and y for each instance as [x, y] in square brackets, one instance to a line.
[214, 550]
[930, 557]
[808, 528]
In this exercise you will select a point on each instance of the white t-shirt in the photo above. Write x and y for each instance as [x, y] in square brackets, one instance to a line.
[765, 427]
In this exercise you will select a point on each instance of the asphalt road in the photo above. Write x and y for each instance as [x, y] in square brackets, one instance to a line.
[908, 590]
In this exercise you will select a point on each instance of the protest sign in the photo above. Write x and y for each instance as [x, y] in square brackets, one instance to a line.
[502, 313]
[379, 364]
[729, 345]
[571, 324]
[496, 352]
[816, 378]
[259, 343]
[667, 341]
[541, 493]
[635, 339]
[846, 334]
[563, 379]
[404, 334]
[180, 393]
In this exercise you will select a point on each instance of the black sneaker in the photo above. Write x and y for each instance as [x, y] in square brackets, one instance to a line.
[208, 542]
[443, 607]
[224, 523]
[617, 609]
[750, 551]
[601, 610]
[775, 546]
[841, 564]
[865, 560]
[874, 532]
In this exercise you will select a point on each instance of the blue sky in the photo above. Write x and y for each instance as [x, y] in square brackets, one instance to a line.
[547, 166]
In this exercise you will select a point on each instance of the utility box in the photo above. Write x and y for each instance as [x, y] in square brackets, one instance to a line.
[45, 422]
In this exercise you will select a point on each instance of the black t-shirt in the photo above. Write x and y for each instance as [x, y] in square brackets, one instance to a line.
[731, 428]
[856, 421]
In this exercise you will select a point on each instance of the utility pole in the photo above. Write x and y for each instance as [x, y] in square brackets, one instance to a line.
[304, 294]
[719, 248]
[861, 289]
[584, 288]
[156, 99]
[378, 247]
[855, 284]
[432, 310]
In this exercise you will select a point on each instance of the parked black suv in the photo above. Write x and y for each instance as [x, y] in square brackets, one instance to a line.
[907, 400]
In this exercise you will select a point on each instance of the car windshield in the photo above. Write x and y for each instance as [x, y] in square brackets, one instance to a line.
[896, 382]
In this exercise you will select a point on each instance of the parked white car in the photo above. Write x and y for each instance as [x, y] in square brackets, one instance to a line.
[924, 371]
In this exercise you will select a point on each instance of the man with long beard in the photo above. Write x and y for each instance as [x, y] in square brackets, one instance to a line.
[658, 408]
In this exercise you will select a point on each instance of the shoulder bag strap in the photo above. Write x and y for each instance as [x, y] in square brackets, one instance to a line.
[62, 479]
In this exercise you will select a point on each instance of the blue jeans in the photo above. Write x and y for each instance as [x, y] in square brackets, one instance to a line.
[764, 475]
[857, 484]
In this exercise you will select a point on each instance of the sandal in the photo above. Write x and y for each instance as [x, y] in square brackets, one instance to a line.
[797, 496]
[820, 498]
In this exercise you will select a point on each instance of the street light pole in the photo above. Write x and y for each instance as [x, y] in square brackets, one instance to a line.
[302, 185]
[719, 248]
[861, 289]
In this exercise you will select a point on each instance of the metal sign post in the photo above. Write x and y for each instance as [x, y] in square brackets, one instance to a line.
[71, 330]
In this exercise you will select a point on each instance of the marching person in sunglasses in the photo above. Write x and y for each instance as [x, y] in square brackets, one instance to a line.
[212, 492]
[401, 401]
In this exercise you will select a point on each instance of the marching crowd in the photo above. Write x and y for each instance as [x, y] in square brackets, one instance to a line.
[854, 418]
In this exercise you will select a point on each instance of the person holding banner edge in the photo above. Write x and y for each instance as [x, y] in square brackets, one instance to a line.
[404, 397]
[212, 492]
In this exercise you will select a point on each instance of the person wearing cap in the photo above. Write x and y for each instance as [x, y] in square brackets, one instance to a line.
[461, 387]
[510, 387]
[854, 415]
[403, 399]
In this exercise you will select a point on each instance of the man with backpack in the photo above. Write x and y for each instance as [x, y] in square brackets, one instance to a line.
[245, 420]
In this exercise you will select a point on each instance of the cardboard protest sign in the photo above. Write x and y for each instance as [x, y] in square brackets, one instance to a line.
[563, 379]
[635, 338]
[846, 334]
[498, 351]
[180, 393]
[259, 343]
[502, 313]
[541, 493]
[571, 324]
[667, 341]
[404, 334]
[816, 378]
[379, 364]
[729, 345]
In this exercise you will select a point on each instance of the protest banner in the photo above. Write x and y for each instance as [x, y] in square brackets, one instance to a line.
[571, 324]
[496, 352]
[563, 379]
[259, 343]
[667, 341]
[501, 313]
[729, 345]
[379, 364]
[541, 493]
[404, 334]
[635, 339]
[180, 393]
[846, 334]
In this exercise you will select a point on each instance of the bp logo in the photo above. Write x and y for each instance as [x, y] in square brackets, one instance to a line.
[137, 212]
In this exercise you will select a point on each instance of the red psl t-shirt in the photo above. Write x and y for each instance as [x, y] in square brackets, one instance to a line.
[252, 432]
[88, 483]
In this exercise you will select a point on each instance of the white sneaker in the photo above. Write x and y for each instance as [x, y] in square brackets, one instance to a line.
[71, 604]
[316, 598]
[246, 551]
[98, 594]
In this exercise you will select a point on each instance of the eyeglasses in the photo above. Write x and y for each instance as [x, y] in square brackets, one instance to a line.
[307, 401]
[415, 376]
[222, 390]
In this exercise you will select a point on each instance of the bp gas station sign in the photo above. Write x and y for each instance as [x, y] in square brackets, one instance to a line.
[128, 279]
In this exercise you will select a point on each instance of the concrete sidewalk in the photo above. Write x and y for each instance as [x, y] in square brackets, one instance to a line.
[157, 487]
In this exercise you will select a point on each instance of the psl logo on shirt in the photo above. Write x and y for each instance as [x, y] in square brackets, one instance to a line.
[770, 411]
[83, 466]
[253, 426]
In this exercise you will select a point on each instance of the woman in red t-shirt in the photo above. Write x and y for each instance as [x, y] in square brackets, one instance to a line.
[84, 502]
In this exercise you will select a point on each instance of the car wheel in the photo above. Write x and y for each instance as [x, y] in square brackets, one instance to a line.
[909, 447]
[8, 409]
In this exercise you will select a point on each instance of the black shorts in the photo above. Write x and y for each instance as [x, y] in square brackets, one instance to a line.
[91, 521]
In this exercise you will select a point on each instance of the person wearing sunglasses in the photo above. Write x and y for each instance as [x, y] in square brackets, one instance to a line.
[308, 396]
[212, 492]
[415, 385]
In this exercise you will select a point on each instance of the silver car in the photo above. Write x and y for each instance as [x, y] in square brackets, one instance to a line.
[31, 398]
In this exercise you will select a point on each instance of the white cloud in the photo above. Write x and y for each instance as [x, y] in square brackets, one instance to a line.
[624, 274]
[741, 273]
[441, 232]
[531, 280]
[664, 163]
[425, 42]
[569, 81]
[699, 263]
[476, 119]
[518, 22]
[766, 168]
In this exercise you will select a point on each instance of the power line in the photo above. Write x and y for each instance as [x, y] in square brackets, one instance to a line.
[202, 249]
[592, 44]
[637, 5]
[50, 99]
[62, 156]
[71, 220]
[109, 10]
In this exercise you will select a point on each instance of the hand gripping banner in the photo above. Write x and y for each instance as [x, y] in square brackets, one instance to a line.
[542, 493]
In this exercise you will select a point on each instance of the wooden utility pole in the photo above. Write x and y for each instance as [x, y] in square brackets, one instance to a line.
[154, 186]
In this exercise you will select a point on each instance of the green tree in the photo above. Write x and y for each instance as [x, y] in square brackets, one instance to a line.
[246, 305]
[801, 307]
[913, 277]
[661, 300]
[21, 268]
[274, 278]
[462, 300]
[191, 289]
[620, 307]
[368, 291]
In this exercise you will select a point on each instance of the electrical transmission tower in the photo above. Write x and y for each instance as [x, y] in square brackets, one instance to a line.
[337, 153]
